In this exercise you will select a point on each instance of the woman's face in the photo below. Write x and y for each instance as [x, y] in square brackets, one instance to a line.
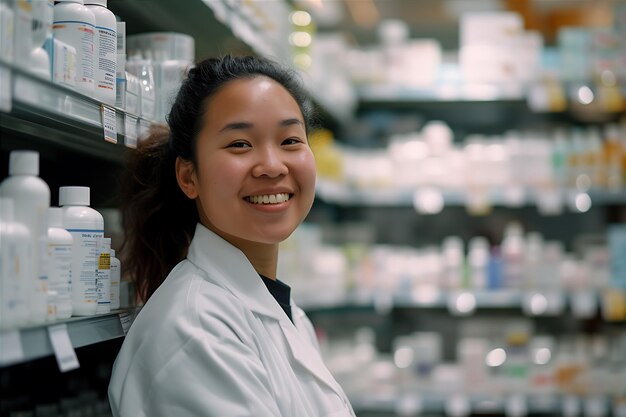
[255, 175]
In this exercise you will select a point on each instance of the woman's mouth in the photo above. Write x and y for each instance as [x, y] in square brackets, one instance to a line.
[268, 198]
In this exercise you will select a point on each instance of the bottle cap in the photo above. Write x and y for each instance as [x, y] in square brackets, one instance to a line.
[24, 163]
[97, 2]
[55, 217]
[6, 209]
[74, 196]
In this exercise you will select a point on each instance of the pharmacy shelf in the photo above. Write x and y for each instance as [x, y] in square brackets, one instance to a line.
[344, 195]
[519, 405]
[217, 26]
[33, 342]
[465, 302]
[449, 93]
[53, 114]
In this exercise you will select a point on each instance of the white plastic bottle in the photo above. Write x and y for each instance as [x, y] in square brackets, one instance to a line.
[103, 278]
[116, 275]
[59, 267]
[42, 30]
[31, 199]
[105, 64]
[75, 25]
[15, 268]
[87, 228]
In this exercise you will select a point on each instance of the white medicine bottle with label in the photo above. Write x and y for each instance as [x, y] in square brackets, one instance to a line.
[31, 199]
[105, 41]
[75, 25]
[87, 228]
[59, 267]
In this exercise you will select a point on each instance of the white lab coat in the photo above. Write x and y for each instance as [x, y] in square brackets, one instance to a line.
[212, 341]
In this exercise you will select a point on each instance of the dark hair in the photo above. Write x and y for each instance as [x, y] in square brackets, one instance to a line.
[158, 219]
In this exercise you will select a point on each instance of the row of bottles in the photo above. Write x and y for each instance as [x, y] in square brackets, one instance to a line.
[56, 261]
[71, 42]
[81, 45]
[504, 357]
[576, 158]
[521, 263]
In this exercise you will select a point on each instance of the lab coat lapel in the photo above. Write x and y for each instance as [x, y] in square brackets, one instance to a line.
[306, 354]
[229, 268]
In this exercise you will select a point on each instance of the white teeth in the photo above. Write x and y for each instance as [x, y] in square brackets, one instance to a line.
[268, 199]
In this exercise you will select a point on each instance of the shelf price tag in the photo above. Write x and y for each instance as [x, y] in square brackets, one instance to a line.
[125, 321]
[63, 349]
[10, 347]
[5, 90]
[109, 123]
[130, 131]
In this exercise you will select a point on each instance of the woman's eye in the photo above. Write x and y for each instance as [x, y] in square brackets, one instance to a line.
[291, 141]
[239, 145]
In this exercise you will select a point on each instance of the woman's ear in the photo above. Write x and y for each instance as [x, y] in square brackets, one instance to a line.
[186, 177]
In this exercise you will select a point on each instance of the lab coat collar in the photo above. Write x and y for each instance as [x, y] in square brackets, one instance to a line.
[230, 268]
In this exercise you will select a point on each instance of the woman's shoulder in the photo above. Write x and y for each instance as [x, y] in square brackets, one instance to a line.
[191, 297]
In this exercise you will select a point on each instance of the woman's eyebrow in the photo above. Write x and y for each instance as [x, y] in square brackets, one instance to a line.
[290, 122]
[236, 126]
[248, 125]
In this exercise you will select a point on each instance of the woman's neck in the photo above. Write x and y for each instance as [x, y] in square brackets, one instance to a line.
[263, 257]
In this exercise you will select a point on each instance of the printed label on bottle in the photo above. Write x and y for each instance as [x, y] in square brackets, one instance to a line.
[85, 265]
[15, 267]
[85, 48]
[60, 278]
[103, 282]
[106, 43]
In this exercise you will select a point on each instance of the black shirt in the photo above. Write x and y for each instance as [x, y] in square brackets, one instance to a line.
[281, 292]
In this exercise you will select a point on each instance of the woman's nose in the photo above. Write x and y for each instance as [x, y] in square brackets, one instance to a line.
[270, 163]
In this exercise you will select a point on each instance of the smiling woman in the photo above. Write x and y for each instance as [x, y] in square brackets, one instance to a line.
[207, 203]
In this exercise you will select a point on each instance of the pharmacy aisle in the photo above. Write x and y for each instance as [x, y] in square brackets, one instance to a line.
[465, 253]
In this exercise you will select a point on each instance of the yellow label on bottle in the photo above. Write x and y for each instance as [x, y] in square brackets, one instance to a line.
[104, 261]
